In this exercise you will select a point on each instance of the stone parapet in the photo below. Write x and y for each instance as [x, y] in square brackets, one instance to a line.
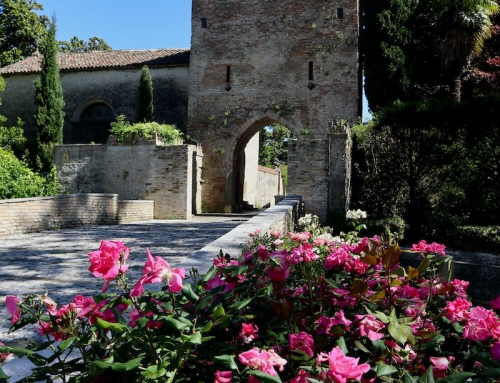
[28, 215]
[135, 211]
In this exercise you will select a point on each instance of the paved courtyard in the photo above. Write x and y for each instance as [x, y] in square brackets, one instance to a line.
[56, 261]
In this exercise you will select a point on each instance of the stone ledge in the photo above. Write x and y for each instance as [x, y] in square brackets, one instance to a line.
[279, 217]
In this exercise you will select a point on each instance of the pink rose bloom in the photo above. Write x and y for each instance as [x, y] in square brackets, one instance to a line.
[12, 303]
[278, 242]
[83, 305]
[223, 376]
[302, 253]
[495, 304]
[457, 310]
[158, 270]
[460, 287]
[318, 242]
[256, 233]
[216, 281]
[343, 298]
[342, 368]
[424, 247]
[262, 252]
[495, 351]
[369, 326]
[356, 266]
[439, 366]
[108, 261]
[303, 342]
[276, 360]
[275, 233]
[337, 258]
[248, 332]
[258, 360]
[301, 237]
[135, 314]
[363, 245]
[301, 377]
[481, 325]
[279, 266]
[106, 315]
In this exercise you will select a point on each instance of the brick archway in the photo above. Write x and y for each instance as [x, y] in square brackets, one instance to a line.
[294, 62]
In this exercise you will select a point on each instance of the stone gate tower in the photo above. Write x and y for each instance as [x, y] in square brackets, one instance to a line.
[255, 62]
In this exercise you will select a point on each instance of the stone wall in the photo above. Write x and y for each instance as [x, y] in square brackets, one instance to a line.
[254, 63]
[269, 184]
[135, 211]
[28, 215]
[115, 88]
[164, 174]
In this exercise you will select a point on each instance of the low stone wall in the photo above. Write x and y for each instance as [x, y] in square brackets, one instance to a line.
[134, 211]
[269, 183]
[279, 217]
[143, 171]
[28, 215]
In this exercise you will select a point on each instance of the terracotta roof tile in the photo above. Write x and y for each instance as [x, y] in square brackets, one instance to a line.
[104, 60]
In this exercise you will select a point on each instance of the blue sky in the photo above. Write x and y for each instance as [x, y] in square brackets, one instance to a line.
[126, 24]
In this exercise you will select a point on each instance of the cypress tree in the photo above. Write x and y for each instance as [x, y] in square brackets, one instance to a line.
[145, 101]
[49, 117]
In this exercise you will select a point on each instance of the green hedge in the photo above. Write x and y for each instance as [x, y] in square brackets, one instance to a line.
[126, 132]
[18, 181]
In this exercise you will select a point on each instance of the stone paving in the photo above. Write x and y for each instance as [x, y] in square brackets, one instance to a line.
[56, 261]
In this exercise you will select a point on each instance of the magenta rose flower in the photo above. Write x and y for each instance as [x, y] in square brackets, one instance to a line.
[108, 261]
[481, 325]
[369, 326]
[158, 270]
[342, 368]
[303, 342]
[12, 303]
[248, 332]
[457, 310]
[223, 376]
[495, 351]
[279, 266]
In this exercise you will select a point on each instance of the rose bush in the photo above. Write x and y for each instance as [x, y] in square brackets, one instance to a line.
[298, 307]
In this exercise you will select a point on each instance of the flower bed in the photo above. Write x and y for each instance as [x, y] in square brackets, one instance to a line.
[300, 307]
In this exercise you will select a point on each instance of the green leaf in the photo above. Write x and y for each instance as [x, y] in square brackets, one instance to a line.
[207, 327]
[407, 378]
[101, 365]
[174, 323]
[119, 317]
[37, 359]
[3, 376]
[428, 377]
[218, 312]
[361, 346]
[187, 291]
[263, 377]
[227, 361]
[459, 377]
[240, 305]
[341, 343]
[494, 373]
[195, 338]
[209, 275]
[385, 369]
[17, 351]
[128, 366]
[142, 322]
[105, 324]
[66, 343]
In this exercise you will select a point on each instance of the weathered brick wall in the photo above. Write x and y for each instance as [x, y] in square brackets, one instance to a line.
[28, 215]
[268, 48]
[134, 211]
[269, 184]
[116, 88]
[164, 174]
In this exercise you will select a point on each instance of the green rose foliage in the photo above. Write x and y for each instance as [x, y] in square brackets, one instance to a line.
[301, 307]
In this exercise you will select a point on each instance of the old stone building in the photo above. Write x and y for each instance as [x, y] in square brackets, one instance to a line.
[255, 62]
[251, 63]
[98, 87]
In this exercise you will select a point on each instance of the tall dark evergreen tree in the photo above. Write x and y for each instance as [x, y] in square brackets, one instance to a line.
[145, 102]
[49, 100]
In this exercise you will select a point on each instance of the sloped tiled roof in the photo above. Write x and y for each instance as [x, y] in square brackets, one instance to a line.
[69, 62]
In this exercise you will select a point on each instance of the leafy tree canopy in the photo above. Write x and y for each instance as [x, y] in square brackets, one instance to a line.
[21, 30]
[273, 145]
[77, 45]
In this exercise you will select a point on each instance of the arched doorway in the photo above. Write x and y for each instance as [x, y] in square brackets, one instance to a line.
[260, 159]
[93, 125]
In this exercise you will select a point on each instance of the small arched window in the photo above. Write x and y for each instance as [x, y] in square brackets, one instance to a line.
[95, 122]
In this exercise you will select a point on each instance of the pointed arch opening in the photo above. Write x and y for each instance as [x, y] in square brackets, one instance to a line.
[260, 164]
[93, 124]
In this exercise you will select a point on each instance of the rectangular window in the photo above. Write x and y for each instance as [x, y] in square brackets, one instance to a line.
[228, 74]
[340, 13]
[311, 71]
[204, 22]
